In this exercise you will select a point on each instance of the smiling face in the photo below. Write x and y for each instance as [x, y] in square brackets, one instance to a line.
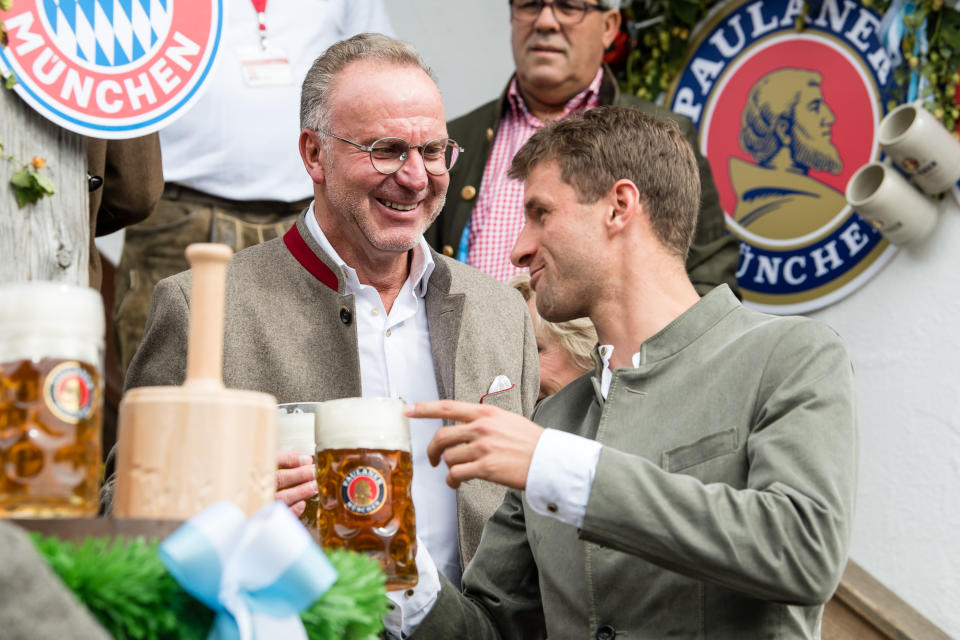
[556, 61]
[368, 216]
[560, 243]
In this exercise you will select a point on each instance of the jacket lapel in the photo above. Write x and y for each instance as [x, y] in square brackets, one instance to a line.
[444, 314]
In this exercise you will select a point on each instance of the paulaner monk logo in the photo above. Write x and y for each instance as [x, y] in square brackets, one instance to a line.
[785, 119]
[111, 68]
[786, 129]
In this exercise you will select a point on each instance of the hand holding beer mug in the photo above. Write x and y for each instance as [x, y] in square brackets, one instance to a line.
[364, 474]
[51, 398]
[295, 426]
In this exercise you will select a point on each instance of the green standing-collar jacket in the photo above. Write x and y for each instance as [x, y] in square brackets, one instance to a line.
[714, 254]
[722, 503]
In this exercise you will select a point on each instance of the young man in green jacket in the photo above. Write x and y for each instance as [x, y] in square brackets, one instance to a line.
[700, 482]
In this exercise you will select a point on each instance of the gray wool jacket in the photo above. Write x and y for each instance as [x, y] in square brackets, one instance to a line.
[290, 331]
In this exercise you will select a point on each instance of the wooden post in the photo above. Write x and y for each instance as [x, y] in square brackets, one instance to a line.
[48, 240]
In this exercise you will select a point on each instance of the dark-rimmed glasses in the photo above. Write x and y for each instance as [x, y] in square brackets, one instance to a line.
[387, 155]
[565, 11]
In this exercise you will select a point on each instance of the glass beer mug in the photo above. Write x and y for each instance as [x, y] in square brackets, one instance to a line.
[364, 475]
[295, 426]
[51, 399]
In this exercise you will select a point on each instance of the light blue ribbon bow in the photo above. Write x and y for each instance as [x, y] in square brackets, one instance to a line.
[891, 34]
[256, 574]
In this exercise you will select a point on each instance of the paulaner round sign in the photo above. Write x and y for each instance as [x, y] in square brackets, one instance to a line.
[785, 119]
[111, 68]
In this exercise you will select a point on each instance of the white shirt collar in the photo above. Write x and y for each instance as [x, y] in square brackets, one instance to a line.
[606, 376]
[420, 270]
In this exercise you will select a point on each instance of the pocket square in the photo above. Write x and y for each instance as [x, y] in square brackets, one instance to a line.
[500, 383]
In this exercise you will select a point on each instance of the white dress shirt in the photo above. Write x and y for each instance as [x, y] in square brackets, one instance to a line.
[396, 362]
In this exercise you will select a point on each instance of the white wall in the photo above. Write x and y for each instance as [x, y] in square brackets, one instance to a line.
[902, 332]
[902, 329]
[465, 42]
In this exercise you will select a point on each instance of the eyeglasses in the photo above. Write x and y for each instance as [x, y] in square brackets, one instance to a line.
[566, 12]
[387, 155]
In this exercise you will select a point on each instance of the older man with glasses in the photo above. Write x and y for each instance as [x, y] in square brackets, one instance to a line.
[558, 49]
[352, 301]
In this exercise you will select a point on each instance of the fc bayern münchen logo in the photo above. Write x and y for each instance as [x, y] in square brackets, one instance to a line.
[111, 68]
[785, 119]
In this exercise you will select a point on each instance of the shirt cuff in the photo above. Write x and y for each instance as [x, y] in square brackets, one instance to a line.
[410, 606]
[561, 475]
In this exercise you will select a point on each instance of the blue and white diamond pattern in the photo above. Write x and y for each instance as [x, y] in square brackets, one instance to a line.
[109, 33]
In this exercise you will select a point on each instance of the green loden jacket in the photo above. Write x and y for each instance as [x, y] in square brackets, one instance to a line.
[722, 503]
[714, 254]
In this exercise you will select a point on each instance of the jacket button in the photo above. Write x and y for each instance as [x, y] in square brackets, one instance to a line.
[469, 192]
[606, 632]
[551, 507]
[489, 134]
[345, 316]
[447, 251]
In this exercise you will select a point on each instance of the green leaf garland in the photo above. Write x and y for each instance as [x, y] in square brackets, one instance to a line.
[127, 588]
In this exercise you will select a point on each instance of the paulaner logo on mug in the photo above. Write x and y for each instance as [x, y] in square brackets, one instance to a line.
[922, 147]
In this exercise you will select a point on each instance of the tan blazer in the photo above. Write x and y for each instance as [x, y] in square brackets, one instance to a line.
[290, 331]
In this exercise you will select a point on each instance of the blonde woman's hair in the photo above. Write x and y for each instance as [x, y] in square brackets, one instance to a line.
[577, 338]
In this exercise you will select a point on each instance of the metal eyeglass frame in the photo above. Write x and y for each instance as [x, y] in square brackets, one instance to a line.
[587, 7]
[404, 156]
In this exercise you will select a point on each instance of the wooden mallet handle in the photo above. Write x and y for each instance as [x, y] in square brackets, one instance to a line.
[205, 343]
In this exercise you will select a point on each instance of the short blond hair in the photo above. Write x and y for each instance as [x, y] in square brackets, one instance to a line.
[577, 337]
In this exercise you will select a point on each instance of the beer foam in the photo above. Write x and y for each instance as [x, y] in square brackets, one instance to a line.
[295, 425]
[51, 320]
[362, 423]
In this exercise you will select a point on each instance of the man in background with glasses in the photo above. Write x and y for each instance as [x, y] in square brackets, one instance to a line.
[351, 301]
[558, 48]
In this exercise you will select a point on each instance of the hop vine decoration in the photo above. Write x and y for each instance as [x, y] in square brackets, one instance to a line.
[939, 25]
[127, 588]
[28, 183]
[5, 5]
[659, 30]
[930, 46]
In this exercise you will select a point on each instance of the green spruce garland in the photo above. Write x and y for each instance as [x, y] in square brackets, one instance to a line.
[127, 588]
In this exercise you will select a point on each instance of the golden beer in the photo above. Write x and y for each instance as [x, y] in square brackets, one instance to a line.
[364, 476]
[50, 418]
[51, 399]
